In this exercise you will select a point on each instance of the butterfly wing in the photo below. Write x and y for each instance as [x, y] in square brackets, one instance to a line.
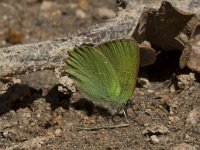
[123, 54]
[94, 74]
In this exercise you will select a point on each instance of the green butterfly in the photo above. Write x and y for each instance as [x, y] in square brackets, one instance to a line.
[107, 73]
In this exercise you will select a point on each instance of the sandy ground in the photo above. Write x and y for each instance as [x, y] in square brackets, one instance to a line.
[163, 112]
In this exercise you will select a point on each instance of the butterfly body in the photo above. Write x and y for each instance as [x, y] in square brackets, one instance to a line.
[107, 73]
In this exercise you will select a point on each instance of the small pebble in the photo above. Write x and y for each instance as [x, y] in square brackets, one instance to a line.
[58, 132]
[156, 128]
[150, 91]
[185, 81]
[173, 119]
[38, 116]
[194, 117]
[80, 14]
[172, 88]
[149, 112]
[144, 82]
[46, 5]
[154, 139]
[84, 4]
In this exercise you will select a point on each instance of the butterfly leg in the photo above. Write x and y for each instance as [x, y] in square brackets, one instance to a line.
[125, 115]
[120, 114]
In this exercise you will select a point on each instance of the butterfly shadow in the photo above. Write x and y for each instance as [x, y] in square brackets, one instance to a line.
[89, 108]
[17, 96]
[21, 96]
[57, 98]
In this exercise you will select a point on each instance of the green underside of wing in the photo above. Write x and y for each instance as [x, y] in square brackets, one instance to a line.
[124, 57]
[107, 72]
[94, 74]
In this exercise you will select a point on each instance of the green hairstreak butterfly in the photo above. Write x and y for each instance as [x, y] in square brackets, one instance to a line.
[107, 73]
